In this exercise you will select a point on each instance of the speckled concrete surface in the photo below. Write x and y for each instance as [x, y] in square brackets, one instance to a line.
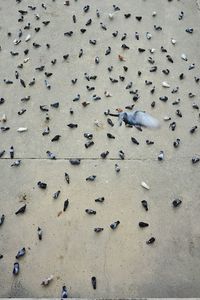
[70, 250]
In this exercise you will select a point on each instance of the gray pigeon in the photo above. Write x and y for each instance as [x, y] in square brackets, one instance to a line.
[136, 118]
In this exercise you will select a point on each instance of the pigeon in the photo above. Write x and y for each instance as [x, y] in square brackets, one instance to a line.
[145, 205]
[46, 23]
[189, 30]
[195, 159]
[94, 282]
[92, 88]
[178, 113]
[71, 111]
[7, 81]
[86, 8]
[110, 136]
[100, 200]
[124, 36]
[46, 131]
[82, 30]
[110, 70]
[39, 232]
[141, 50]
[89, 144]
[90, 211]
[56, 195]
[97, 60]
[55, 105]
[77, 98]
[74, 80]
[2, 100]
[40, 68]
[150, 241]
[191, 66]
[3, 128]
[134, 141]
[91, 178]
[16, 163]
[129, 85]
[176, 143]
[37, 29]
[172, 126]
[11, 152]
[56, 138]
[2, 218]
[97, 13]
[163, 98]
[108, 51]
[67, 178]
[103, 26]
[66, 203]
[115, 34]
[144, 185]
[148, 142]
[80, 53]
[176, 202]
[104, 154]
[98, 229]
[50, 155]
[93, 42]
[32, 82]
[161, 155]
[43, 108]
[88, 135]
[116, 8]
[110, 122]
[75, 161]
[43, 6]
[121, 154]
[158, 28]
[64, 293]
[180, 17]
[137, 118]
[13, 54]
[16, 268]
[72, 125]
[42, 185]
[46, 281]
[114, 225]
[193, 129]
[143, 224]
[117, 168]
[21, 253]
[54, 61]
[48, 86]
[169, 58]
[127, 15]
[22, 129]
[21, 210]
[195, 106]
[35, 45]
[139, 18]
[16, 74]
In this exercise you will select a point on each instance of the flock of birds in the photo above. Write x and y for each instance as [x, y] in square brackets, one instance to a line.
[131, 118]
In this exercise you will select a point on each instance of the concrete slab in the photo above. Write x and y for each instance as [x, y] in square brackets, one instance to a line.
[70, 250]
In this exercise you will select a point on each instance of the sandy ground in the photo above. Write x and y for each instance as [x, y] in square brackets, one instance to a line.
[70, 250]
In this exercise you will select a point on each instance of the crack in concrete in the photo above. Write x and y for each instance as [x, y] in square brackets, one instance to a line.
[105, 263]
[91, 158]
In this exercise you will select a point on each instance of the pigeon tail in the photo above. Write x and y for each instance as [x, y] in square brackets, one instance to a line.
[146, 120]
